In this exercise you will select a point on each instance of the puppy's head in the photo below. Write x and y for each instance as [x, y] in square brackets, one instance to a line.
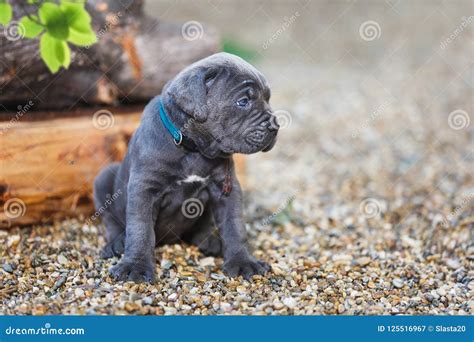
[225, 100]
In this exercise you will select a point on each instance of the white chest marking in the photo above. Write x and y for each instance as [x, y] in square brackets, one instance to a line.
[193, 179]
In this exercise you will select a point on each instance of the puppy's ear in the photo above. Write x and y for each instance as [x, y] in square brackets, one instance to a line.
[189, 91]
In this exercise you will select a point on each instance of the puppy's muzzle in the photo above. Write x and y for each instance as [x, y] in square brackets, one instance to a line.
[273, 123]
[261, 135]
[256, 136]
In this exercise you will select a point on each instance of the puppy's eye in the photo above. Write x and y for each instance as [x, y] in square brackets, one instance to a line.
[243, 102]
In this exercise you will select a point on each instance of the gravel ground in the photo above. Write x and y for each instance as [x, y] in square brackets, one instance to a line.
[365, 206]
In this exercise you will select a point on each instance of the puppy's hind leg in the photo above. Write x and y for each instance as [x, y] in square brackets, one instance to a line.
[116, 245]
[104, 195]
[205, 236]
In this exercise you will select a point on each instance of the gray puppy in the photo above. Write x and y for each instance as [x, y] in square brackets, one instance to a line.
[177, 181]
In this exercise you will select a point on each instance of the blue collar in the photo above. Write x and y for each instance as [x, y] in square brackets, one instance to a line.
[178, 137]
[171, 128]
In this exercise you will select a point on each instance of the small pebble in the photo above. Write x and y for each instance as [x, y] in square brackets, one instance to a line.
[453, 263]
[364, 261]
[241, 290]
[226, 307]
[290, 302]
[217, 276]
[166, 264]
[147, 300]
[60, 282]
[170, 311]
[398, 283]
[62, 259]
[205, 262]
[7, 268]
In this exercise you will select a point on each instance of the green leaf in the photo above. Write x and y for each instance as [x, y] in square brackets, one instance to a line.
[54, 20]
[82, 39]
[47, 44]
[46, 11]
[75, 14]
[67, 55]
[54, 52]
[80, 2]
[5, 13]
[32, 28]
[79, 21]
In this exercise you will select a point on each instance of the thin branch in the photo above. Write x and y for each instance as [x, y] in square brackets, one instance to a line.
[25, 11]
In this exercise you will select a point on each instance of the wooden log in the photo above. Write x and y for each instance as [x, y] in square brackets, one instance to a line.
[134, 57]
[48, 165]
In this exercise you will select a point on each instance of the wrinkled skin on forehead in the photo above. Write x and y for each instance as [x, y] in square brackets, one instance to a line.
[226, 105]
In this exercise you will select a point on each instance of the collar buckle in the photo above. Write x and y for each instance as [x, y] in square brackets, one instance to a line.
[180, 139]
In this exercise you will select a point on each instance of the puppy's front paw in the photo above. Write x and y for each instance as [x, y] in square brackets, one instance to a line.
[246, 266]
[135, 271]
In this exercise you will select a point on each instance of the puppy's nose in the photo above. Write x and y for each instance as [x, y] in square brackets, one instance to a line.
[273, 124]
